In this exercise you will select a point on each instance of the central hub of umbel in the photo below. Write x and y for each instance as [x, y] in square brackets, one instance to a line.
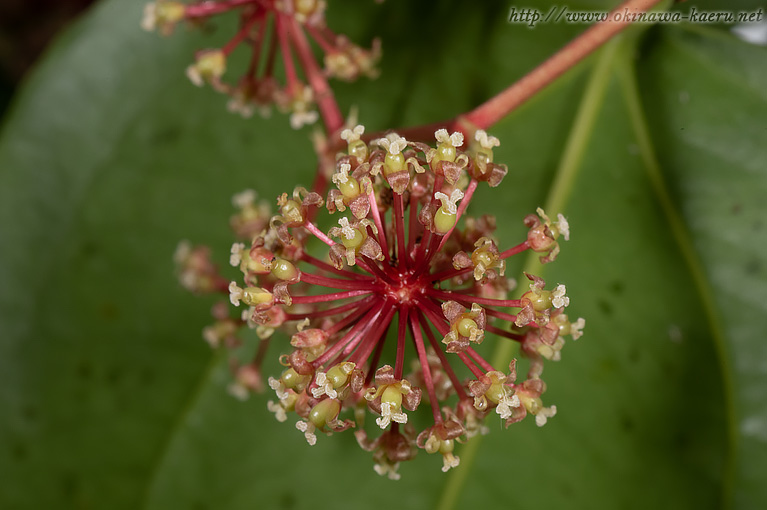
[405, 292]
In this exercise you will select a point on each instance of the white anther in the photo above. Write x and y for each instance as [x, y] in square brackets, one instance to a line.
[559, 298]
[506, 404]
[235, 294]
[278, 410]
[449, 202]
[393, 143]
[308, 430]
[563, 226]
[236, 254]
[244, 198]
[456, 139]
[485, 141]
[576, 328]
[342, 175]
[449, 461]
[149, 18]
[352, 135]
[544, 414]
[346, 230]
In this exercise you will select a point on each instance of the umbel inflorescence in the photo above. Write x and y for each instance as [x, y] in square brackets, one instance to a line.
[276, 33]
[396, 260]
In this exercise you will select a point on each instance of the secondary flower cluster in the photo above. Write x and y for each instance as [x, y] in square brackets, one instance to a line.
[396, 260]
[269, 27]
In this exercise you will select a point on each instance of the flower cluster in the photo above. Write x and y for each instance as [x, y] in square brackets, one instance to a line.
[269, 28]
[396, 259]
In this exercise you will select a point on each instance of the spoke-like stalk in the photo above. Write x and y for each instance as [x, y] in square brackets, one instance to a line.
[442, 358]
[377, 221]
[330, 311]
[323, 95]
[479, 360]
[515, 250]
[329, 297]
[205, 9]
[401, 337]
[242, 33]
[364, 322]
[415, 329]
[399, 229]
[291, 78]
[350, 318]
[332, 269]
[463, 298]
[377, 337]
[470, 365]
[337, 283]
[501, 315]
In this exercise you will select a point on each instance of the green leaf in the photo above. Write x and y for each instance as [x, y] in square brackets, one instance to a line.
[110, 398]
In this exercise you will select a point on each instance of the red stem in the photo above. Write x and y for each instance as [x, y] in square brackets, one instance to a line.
[329, 297]
[442, 358]
[354, 315]
[379, 224]
[330, 311]
[501, 315]
[473, 299]
[595, 36]
[364, 322]
[514, 250]
[337, 283]
[257, 50]
[320, 39]
[323, 95]
[415, 329]
[205, 9]
[332, 269]
[480, 360]
[474, 368]
[291, 78]
[373, 340]
[412, 225]
[399, 228]
[241, 34]
[504, 333]
[401, 337]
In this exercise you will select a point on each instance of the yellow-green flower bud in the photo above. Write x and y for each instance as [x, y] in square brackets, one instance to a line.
[325, 411]
[393, 163]
[283, 269]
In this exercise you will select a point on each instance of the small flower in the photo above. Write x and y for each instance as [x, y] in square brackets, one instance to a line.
[446, 216]
[209, 66]
[390, 395]
[162, 15]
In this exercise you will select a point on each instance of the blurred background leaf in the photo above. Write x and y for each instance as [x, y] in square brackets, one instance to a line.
[108, 157]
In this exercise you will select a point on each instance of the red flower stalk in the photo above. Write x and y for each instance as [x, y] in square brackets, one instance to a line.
[268, 28]
[397, 251]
